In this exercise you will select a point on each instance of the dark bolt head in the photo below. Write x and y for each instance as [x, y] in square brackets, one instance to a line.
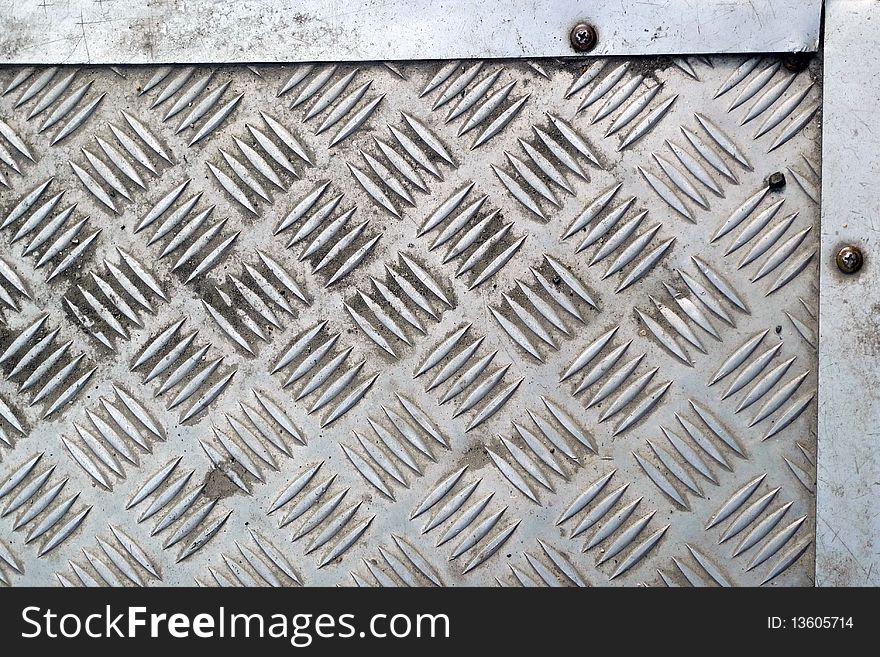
[849, 259]
[583, 37]
[796, 61]
[776, 180]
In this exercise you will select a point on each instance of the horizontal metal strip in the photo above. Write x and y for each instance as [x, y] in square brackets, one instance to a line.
[197, 31]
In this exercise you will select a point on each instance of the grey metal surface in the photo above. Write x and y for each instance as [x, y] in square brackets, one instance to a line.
[848, 527]
[211, 31]
[456, 323]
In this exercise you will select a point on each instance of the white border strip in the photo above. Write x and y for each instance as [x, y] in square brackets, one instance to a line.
[848, 492]
[232, 31]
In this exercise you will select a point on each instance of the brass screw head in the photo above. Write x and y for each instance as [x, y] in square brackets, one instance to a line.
[849, 259]
[583, 37]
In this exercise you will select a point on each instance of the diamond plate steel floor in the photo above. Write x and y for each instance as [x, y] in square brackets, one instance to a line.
[458, 323]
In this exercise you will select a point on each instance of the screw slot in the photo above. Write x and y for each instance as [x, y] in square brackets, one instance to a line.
[583, 37]
[849, 259]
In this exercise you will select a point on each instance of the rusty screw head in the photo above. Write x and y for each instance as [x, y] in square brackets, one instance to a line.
[583, 37]
[776, 180]
[849, 259]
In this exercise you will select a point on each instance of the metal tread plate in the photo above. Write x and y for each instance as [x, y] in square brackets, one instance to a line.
[454, 323]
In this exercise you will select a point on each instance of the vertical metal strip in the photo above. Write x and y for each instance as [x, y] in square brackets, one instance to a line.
[848, 496]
